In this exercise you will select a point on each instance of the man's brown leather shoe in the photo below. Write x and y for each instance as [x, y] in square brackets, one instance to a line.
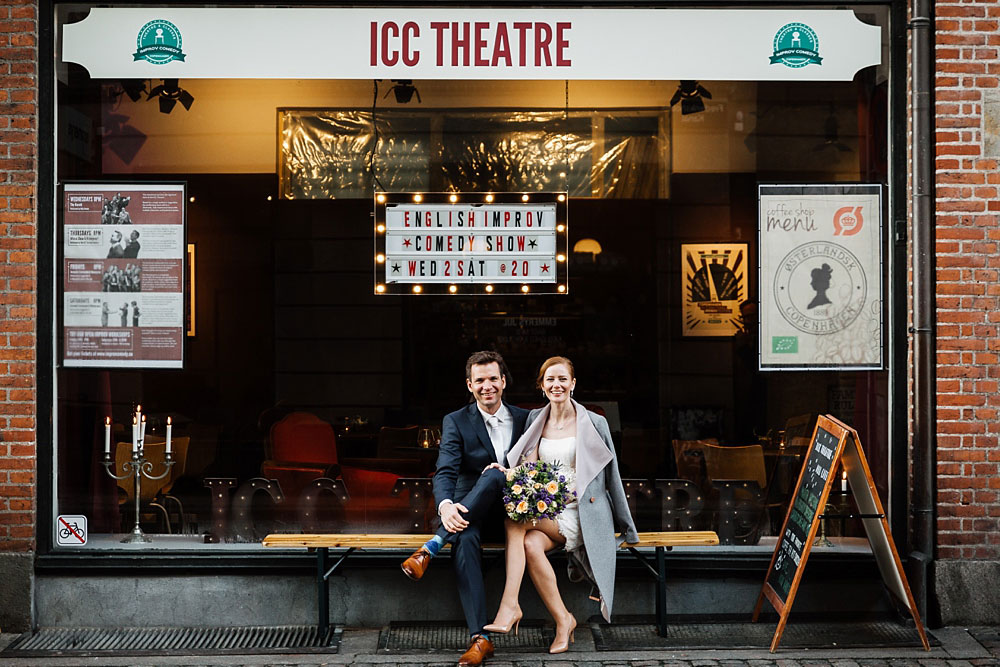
[415, 566]
[480, 648]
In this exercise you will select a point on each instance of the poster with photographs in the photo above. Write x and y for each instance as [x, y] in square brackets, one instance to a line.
[123, 274]
[821, 303]
[713, 284]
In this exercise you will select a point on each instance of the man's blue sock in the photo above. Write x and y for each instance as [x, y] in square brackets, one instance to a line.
[433, 545]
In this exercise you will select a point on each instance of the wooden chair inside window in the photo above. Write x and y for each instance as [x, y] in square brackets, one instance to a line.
[689, 455]
[745, 463]
[153, 493]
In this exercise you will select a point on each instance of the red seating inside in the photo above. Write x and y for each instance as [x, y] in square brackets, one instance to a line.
[303, 447]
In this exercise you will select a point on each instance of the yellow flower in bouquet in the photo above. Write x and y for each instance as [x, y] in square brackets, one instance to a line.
[536, 490]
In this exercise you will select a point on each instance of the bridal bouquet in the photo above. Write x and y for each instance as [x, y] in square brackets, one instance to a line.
[536, 490]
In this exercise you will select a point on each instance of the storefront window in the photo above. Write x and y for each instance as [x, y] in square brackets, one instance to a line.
[304, 402]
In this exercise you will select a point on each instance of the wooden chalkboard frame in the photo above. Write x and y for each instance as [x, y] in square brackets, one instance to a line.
[849, 454]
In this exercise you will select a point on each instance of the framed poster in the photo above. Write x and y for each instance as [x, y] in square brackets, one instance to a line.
[820, 277]
[123, 251]
[713, 284]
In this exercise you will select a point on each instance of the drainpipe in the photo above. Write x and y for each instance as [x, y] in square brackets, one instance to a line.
[924, 459]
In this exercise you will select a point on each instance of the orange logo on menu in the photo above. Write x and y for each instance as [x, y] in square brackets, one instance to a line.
[847, 221]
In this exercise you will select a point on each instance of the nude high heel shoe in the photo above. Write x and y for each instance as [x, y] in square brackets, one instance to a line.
[563, 646]
[495, 626]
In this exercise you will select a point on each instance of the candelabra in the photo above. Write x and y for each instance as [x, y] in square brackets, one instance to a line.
[137, 468]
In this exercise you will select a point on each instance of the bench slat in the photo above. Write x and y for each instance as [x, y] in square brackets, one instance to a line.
[397, 541]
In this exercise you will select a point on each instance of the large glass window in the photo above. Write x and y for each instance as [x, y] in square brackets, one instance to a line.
[306, 402]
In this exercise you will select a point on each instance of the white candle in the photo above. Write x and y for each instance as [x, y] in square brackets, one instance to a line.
[135, 436]
[169, 428]
[107, 436]
[138, 413]
[843, 482]
[142, 432]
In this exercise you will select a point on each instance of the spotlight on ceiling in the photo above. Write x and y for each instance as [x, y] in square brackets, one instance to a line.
[134, 88]
[690, 94]
[404, 90]
[169, 94]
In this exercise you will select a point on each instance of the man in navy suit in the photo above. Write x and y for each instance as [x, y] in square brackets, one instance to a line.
[468, 496]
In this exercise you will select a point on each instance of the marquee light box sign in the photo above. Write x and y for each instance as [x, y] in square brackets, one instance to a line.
[471, 243]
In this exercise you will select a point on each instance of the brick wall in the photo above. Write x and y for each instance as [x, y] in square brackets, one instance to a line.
[18, 231]
[968, 293]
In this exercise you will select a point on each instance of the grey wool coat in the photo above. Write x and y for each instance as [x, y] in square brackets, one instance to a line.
[605, 520]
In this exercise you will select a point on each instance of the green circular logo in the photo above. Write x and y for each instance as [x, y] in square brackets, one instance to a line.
[796, 45]
[159, 42]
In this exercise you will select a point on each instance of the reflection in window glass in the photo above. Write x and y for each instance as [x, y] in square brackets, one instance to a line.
[307, 403]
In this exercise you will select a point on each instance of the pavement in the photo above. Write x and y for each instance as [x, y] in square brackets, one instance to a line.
[959, 647]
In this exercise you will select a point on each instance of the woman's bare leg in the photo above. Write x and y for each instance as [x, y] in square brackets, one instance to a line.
[537, 542]
[510, 608]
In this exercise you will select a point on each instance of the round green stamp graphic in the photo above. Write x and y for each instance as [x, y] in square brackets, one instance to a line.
[159, 42]
[796, 45]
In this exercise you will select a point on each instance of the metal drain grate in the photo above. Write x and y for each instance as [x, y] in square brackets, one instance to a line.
[429, 637]
[91, 642]
[756, 635]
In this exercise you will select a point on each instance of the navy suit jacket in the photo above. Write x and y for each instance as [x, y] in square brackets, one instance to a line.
[466, 450]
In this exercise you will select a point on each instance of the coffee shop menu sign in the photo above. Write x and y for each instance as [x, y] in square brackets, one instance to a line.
[471, 243]
[820, 282]
[122, 275]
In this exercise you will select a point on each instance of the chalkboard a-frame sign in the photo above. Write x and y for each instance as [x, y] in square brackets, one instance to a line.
[832, 443]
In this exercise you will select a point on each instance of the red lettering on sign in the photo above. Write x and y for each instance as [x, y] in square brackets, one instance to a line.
[501, 46]
[412, 267]
[543, 37]
[374, 44]
[522, 41]
[410, 30]
[520, 243]
[389, 29]
[406, 218]
[460, 44]
[562, 43]
[499, 243]
[447, 268]
[427, 218]
[439, 27]
[480, 41]
[430, 244]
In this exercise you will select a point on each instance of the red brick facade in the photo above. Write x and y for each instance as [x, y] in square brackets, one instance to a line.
[18, 285]
[968, 292]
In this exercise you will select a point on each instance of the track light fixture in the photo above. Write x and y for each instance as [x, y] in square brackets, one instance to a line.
[169, 94]
[404, 90]
[134, 88]
[690, 94]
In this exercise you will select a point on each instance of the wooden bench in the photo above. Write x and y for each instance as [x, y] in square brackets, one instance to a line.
[351, 543]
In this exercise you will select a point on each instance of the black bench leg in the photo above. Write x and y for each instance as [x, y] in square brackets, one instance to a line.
[323, 592]
[661, 592]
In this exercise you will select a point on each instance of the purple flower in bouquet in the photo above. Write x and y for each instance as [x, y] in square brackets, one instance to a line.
[535, 490]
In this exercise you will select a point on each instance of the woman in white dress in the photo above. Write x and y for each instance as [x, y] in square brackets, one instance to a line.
[551, 435]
